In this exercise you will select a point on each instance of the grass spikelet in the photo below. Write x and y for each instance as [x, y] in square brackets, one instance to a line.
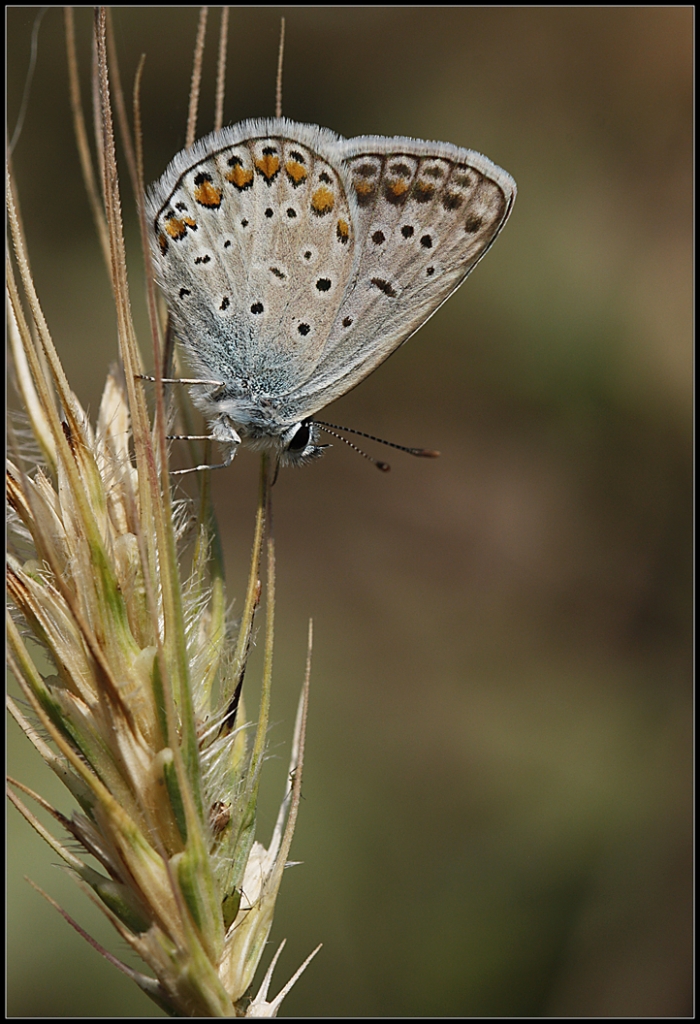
[141, 714]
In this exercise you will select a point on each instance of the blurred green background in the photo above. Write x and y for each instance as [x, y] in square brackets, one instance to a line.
[497, 812]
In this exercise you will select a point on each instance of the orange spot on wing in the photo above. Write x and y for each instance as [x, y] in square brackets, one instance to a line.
[343, 230]
[239, 176]
[268, 165]
[296, 171]
[399, 188]
[207, 194]
[364, 188]
[322, 201]
[177, 227]
[424, 188]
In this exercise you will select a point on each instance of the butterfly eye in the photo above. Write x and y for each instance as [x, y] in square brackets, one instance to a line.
[301, 437]
[299, 444]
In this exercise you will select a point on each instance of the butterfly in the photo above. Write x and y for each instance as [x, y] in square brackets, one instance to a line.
[294, 261]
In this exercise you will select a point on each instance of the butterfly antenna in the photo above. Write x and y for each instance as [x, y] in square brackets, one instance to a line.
[327, 427]
[421, 453]
[280, 61]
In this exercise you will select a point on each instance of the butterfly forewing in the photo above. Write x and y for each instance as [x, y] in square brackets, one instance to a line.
[255, 250]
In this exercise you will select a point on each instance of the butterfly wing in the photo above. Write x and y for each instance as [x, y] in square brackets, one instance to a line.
[253, 248]
[424, 214]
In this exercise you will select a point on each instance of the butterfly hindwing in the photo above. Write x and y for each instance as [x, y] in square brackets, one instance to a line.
[425, 214]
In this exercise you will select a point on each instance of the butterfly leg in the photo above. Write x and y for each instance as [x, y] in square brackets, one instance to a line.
[179, 380]
[224, 433]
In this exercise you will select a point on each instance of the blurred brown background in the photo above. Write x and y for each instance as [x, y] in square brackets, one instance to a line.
[497, 800]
